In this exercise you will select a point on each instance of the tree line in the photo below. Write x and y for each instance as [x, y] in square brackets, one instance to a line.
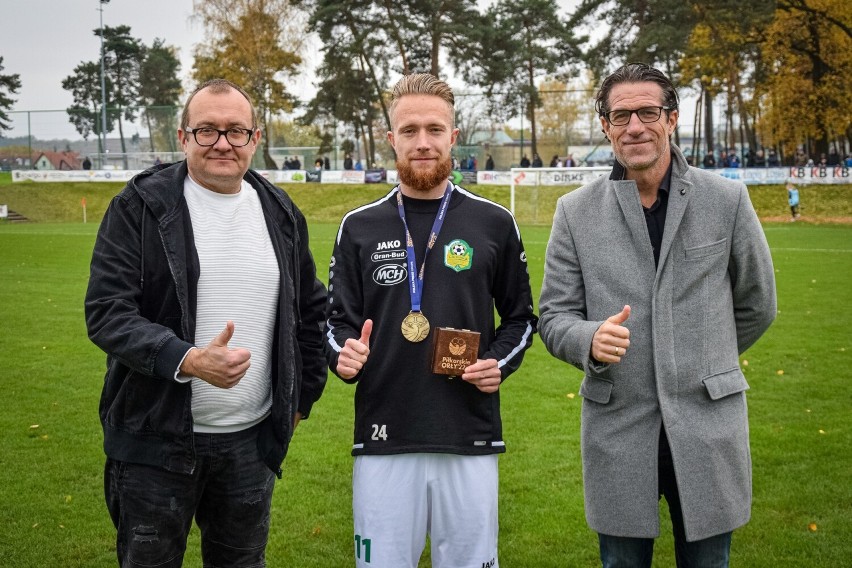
[781, 68]
[136, 78]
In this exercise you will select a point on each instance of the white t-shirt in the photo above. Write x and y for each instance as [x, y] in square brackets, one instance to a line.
[240, 282]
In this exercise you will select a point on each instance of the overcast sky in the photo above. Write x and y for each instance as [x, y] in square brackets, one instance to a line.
[44, 40]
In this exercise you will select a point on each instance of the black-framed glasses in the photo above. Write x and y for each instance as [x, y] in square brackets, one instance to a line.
[646, 114]
[206, 136]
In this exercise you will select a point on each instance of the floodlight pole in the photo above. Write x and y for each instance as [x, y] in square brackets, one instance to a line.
[523, 107]
[103, 83]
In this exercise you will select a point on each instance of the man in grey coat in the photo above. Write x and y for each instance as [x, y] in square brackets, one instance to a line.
[656, 278]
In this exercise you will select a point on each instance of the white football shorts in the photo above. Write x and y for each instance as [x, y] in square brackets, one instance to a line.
[398, 499]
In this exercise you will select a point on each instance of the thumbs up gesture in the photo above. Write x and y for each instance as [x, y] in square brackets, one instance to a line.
[354, 354]
[218, 364]
[611, 340]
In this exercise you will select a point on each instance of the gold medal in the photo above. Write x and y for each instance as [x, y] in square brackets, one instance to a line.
[415, 327]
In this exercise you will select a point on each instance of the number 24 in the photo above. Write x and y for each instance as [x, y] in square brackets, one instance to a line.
[380, 432]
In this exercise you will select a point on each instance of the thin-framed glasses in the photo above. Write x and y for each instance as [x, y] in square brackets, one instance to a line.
[206, 136]
[646, 114]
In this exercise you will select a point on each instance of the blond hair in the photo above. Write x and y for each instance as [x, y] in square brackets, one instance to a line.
[421, 84]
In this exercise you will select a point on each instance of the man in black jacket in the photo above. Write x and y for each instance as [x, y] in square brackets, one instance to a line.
[203, 293]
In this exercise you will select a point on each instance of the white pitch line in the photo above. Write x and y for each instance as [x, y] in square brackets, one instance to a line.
[808, 250]
[773, 249]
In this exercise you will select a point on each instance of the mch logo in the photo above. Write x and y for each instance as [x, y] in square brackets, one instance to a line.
[389, 274]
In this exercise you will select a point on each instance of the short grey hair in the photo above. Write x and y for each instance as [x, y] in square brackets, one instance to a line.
[636, 73]
[217, 87]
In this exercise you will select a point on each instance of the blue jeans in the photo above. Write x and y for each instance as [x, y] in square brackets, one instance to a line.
[229, 494]
[626, 552]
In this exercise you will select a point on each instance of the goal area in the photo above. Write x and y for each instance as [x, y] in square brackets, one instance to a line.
[533, 192]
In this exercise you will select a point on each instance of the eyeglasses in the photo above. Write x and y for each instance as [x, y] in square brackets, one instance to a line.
[645, 114]
[206, 136]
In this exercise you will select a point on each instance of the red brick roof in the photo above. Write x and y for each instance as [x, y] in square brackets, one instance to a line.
[61, 160]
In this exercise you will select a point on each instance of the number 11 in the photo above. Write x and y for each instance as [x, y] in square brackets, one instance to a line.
[366, 542]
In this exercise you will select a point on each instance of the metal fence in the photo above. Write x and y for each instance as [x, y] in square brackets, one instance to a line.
[150, 136]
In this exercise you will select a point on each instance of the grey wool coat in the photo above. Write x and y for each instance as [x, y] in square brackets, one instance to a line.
[710, 298]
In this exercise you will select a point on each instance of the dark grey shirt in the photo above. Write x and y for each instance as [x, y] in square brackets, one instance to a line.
[655, 216]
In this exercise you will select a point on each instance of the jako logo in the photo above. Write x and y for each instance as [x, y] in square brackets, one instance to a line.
[385, 245]
[389, 274]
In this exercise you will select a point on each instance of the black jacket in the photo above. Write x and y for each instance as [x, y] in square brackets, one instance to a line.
[400, 405]
[140, 309]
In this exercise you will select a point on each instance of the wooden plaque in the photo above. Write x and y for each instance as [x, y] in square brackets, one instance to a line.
[453, 350]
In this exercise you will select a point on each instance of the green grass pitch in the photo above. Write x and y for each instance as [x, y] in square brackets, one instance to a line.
[51, 490]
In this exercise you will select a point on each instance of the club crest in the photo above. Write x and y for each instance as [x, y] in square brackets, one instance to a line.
[458, 255]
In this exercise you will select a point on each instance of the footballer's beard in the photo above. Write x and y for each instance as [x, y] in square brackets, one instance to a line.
[424, 180]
